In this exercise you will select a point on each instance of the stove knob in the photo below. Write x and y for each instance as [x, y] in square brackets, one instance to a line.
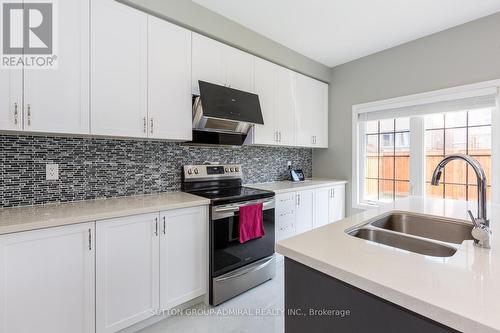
[237, 169]
[227, 169]
[232, 169]
[190, 172]
[196, 171]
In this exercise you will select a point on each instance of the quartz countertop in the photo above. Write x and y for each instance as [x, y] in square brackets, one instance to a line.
[52, 215]
[462, 291]
[289, 186]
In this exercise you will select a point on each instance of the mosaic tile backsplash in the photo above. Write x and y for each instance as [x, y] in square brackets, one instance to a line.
[91, 168]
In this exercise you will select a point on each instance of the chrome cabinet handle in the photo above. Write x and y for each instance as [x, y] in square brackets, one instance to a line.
[16, 113]
[90, 239]
[298, 199]
[152, 125]
[280, 135]
[156, 226]
[145, 124]
[276, 136]
[29, 114]
[164, 226]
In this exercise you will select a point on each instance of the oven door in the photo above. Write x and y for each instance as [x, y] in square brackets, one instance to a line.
[226, 252]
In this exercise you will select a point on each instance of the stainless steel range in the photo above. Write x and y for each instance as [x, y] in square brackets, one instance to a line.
[234, 267]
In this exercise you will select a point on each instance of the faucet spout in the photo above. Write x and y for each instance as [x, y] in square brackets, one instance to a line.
[482, 223]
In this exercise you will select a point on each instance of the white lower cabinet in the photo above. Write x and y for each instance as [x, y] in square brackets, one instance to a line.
[336, 205]
[284, 216]
[305, 211]
[47, 280]
[183, 256]
[321, 207]
[301, 211]
[147, 263]
[127, 277]
[329, 205]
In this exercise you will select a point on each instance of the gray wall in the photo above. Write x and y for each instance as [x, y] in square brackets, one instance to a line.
[465, 54]
[197, 18]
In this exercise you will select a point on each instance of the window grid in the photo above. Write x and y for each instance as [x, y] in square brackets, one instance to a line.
[379, 178]
[444, 129]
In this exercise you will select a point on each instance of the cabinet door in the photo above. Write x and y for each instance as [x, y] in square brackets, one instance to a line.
[47, 280]
[169, 88]
[305, 211]
[127, 273]
[238, 68]
[305, 112]
[207, 62]
[265, 87]
[322, 206]
[119, 70]
[11, 99]
[57, 100]
[286, 106]
[183, 256]
[320, 129]
[337, 203]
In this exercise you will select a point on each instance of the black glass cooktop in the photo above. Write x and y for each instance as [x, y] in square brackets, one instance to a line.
[224, 196]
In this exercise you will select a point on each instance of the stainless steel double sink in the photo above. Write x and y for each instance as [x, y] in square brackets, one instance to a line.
[423, 234]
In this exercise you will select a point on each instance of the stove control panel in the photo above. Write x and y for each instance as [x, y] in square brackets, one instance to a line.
[195, 172]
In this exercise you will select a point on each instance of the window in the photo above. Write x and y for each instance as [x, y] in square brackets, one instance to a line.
[387, 161]
[399, 142]
[466, 132]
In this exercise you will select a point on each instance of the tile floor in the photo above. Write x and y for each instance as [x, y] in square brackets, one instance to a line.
[236, 315]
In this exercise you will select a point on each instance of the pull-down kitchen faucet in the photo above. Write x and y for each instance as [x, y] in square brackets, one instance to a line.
[481, 231]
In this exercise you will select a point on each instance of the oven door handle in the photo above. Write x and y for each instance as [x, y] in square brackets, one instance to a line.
[265, 205]
[245, 272]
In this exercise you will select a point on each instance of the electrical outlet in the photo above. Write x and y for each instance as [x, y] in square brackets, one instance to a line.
[289, 165]
[52, 171]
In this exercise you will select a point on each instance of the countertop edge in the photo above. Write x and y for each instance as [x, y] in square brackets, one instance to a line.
[297, 186]
[431, 311]
[71, 220]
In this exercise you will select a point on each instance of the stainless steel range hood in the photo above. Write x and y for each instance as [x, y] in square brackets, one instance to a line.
[223, 115]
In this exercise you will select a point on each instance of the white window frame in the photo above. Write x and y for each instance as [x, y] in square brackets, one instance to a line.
[417, 135]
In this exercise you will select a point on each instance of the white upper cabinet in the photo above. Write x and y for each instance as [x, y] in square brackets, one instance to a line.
[220, 64]
[11, 100]
[118, 70]
[169, 81]
[239, 69]
[320, 92]
[127, 271]
[57, 100]
[207, 62]
[285, 95]
[265, 86]
[183, 256]
[311, 116]
[275, 86]
[47, 280]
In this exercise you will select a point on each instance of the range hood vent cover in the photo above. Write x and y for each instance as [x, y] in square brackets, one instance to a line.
[224, 116]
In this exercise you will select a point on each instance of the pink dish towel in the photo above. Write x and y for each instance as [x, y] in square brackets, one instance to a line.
[251, 222]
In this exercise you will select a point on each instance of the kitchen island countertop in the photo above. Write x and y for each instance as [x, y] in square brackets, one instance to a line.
[461, 291]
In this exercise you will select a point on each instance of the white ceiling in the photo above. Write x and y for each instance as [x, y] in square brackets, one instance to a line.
[333, 32]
